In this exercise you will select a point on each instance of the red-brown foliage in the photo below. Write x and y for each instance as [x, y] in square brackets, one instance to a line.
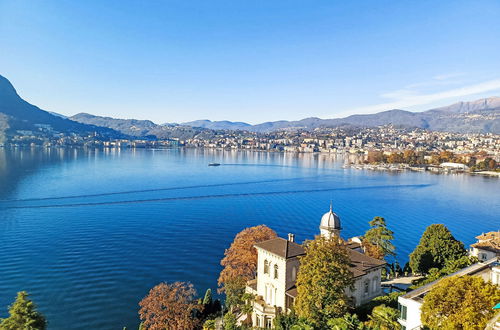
[240, 260]
[169, 306]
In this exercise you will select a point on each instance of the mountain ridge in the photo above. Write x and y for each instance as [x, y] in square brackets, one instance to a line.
[453, 115]
[16, 114]
[140, 128]
[20, 115]
[219, 124]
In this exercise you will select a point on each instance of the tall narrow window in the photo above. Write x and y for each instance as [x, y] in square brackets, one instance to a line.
[402, 311]
[275, 271]
[294, 273]
[367, 286]
[266, 267]
[375, 284]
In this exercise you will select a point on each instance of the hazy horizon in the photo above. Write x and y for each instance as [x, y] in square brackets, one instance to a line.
[181, 61]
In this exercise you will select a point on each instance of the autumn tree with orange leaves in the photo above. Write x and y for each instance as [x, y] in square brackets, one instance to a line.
[169, 306]
[240, 261]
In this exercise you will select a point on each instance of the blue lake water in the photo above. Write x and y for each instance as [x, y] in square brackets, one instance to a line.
[119, 222]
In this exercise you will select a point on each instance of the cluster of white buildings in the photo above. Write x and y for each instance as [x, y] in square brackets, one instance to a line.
[339, 140]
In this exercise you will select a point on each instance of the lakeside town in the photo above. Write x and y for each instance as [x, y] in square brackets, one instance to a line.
[385, 148]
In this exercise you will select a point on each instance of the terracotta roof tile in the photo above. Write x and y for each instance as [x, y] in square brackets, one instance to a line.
[488, 236]
[489, 241]
[362, 264]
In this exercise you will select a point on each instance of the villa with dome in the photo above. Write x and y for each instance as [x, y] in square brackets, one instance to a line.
[278, 264]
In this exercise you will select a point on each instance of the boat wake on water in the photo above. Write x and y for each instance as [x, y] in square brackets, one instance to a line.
[156, 190]
[232, 195]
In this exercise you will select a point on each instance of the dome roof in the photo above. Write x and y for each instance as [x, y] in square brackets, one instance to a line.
[330, 221]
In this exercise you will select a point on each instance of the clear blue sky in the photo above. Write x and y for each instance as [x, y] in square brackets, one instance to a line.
[254, 61]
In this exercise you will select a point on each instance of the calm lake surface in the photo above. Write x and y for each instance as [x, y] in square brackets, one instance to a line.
[88, 233]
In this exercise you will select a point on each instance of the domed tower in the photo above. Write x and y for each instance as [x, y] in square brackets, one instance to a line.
[330, 224]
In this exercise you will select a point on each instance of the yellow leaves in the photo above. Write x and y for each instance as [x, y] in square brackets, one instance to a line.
[323, 276]
[459, 303]
[373, 250]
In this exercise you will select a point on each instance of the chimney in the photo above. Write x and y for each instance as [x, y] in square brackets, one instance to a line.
[291, 237]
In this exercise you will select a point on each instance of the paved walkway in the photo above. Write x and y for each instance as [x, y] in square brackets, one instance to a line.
[401, 280]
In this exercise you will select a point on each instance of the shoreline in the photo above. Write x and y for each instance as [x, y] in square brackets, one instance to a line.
[427, 168]
[383, 167]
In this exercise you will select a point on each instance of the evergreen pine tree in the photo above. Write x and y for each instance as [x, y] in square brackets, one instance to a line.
[23, 315]
[377, 240]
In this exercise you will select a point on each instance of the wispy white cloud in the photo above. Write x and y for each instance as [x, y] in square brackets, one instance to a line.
[448, 79]
[448, 76]
[406, 98]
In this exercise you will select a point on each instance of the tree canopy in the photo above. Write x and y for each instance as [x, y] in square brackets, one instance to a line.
[384, 318]
[460, 303]
[346, 322]
[323, 276]
[23, 315]
[437, 246]
[377, 239]
[230, 322]
[240, 260]
[169, 306]
[450, 267]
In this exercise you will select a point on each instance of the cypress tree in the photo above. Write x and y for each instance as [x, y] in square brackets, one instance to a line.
[208, 303]
[207, 300]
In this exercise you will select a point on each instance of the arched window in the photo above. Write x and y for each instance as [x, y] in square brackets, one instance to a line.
[367, 286]
[294, 273]
[275, 271]
[266, 267]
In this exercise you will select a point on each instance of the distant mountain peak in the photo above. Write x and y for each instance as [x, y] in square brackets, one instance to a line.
[492, 102]
[218, 125]
[443, 119]
[22, 115]
[7, 90]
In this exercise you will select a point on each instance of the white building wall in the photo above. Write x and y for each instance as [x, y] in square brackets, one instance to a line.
[495, 275]
[412, 320]
[270, 288]
[482, 255]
